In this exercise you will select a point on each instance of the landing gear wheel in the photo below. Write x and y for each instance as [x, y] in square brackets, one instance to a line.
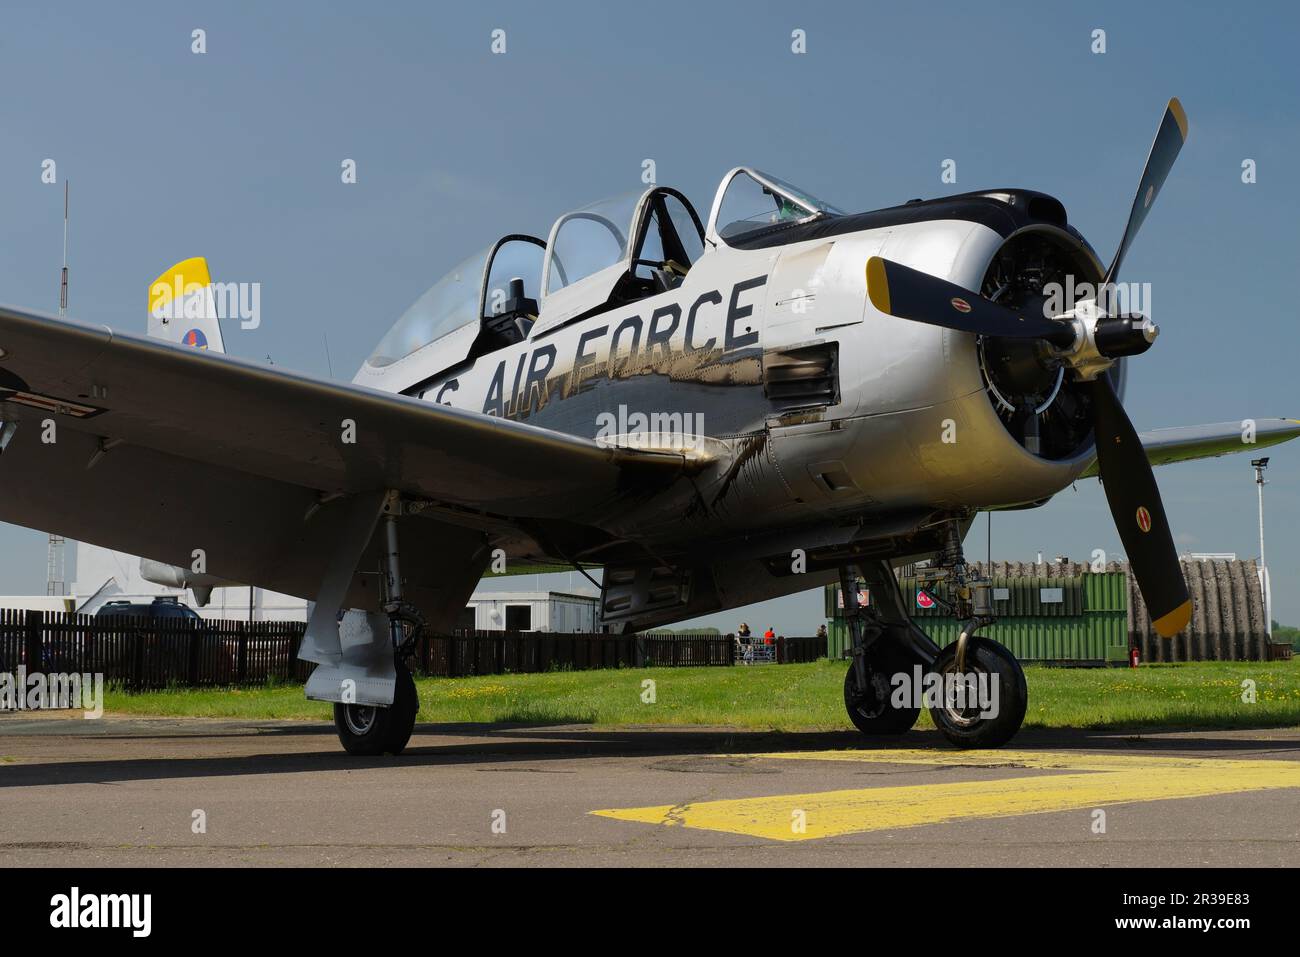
[870, 710]
[966, 727]
[367, 730]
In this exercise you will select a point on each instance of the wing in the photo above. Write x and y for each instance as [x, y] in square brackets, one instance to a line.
[1210, 441]
[159, 450]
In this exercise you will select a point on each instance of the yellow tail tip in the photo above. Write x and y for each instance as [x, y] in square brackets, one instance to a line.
[186, 275]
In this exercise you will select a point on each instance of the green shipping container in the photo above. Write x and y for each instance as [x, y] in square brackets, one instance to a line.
[1064, 619]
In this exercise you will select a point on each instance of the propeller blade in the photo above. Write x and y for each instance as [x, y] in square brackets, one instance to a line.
[1164, 150]
[907, 293]
[1139, 515]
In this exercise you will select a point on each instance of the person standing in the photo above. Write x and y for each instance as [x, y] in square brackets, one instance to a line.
[746, 643]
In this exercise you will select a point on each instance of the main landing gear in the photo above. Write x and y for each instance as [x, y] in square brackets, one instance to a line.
[370, 729]
[974, 688]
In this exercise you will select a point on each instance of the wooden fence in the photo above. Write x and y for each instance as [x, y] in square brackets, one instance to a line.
[142, 653]
[497, 652]
[799, 649]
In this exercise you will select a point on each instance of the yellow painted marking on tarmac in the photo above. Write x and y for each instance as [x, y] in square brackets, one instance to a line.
[1001, 758]
[1106, 779]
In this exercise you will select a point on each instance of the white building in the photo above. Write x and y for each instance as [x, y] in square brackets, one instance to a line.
[531, 611]
[103, 575]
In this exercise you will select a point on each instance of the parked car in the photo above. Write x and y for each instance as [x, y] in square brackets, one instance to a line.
[164, 606]
[166, 650]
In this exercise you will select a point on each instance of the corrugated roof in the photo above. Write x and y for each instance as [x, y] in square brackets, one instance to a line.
[1228, 621]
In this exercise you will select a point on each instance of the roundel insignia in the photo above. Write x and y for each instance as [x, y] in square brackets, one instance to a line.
[195, 338]
[961, 305]
[1143, 518]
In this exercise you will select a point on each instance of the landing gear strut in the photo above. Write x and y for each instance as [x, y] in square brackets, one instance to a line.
[371, 729]
[878, 655]
[979, 697]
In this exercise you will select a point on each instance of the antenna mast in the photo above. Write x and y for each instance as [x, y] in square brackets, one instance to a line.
[63, 279]
[54, 559]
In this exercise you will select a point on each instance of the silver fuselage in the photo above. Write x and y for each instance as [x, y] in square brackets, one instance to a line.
[912, 426]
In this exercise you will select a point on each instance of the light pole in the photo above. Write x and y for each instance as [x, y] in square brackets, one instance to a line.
[1259, 465]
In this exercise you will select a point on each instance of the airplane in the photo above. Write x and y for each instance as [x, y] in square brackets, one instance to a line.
[713, 412]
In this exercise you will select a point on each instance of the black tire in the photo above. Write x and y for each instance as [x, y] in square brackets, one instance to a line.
[965, 727]
[872, 712]
[366, 731]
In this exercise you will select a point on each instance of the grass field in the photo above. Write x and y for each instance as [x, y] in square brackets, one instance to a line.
[786, 698]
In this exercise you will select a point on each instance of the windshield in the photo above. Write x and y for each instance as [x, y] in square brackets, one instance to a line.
[450, 303]
[588, 240]
[754, 200]
[801, 195]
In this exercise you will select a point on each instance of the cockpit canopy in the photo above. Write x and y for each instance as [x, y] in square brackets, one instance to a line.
[449, 304]
[588, 240]
[607, 254]
[457, 304]
[749, 201]
[638, 230]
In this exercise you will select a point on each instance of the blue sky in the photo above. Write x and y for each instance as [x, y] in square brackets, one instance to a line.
[235, 155]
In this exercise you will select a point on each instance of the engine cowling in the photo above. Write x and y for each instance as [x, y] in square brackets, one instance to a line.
[1040, 405]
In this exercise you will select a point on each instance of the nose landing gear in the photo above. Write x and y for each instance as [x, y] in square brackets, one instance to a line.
[978, 696]
[983, 703]
[870, 708]
[974, 688]
[884, 644]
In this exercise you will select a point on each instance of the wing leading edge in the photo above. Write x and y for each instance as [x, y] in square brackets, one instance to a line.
[159, 450]
[1183, 443]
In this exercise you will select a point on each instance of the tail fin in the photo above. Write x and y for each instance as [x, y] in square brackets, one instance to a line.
[183, 307]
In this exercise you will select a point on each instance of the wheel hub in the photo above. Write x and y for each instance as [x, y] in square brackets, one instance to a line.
[359, 718]
[968, 714]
